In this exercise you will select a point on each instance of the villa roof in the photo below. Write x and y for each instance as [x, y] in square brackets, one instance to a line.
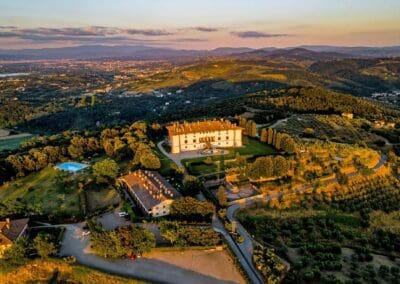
[150, 188]
[201, 126]
[10, 230]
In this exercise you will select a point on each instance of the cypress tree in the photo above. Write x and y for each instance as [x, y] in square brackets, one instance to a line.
[264, 135]
[270, 136]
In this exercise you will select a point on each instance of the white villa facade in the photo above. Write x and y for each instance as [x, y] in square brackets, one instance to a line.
[204, 134]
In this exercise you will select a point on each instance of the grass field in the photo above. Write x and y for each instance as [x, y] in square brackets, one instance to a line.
[58, 271]
[42, 192]
[13, 143]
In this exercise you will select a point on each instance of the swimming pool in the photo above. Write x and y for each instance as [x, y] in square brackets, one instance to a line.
[71, 166]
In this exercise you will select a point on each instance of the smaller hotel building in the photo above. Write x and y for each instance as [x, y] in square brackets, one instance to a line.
[190, 136]
[10, 231]
[150, 191]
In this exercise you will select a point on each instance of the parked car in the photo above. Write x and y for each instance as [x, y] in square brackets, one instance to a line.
[122, 214]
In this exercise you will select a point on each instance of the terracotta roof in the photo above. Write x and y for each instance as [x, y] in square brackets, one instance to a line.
[9, 232]
[150, 187]
[201, 126]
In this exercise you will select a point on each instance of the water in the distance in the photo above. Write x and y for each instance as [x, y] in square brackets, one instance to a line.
[5, 75]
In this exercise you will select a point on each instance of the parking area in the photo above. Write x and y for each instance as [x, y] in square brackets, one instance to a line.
[112, 220]
[159, 268]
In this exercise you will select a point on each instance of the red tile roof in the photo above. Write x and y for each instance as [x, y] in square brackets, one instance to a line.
[150, 187]
[201, 126]
[11, 230]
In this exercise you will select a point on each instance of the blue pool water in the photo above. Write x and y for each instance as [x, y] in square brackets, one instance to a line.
[71, 166]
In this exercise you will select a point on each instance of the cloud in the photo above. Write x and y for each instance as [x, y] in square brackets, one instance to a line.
[8, 34]
[56, 32]
[148, 32]
[256, 34]
[94, 35]
[188, 40]
[86, 31]
[91, 35]
[205, 29]
[7, 27]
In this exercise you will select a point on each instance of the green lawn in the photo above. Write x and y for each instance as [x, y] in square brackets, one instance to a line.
[199, 168]
[11, 144]
[252, 148]
[42, 192]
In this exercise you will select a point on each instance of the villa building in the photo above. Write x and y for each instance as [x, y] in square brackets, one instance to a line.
[150, 191]
[190, 136]
[10, 231]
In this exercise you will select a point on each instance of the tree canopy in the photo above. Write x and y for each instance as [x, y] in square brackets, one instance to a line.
[105, 170]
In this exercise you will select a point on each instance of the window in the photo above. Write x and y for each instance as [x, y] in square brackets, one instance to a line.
[194, 140]
[185, 141]
[227, 137]
[219, 138]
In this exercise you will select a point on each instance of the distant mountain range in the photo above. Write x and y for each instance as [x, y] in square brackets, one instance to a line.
[294, 53]
[146, 52]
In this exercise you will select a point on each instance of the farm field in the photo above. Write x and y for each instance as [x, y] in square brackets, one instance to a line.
[323, 244]
[333, 127]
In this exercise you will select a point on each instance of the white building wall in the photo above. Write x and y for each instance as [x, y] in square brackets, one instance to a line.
[162, 208]
[193, 141]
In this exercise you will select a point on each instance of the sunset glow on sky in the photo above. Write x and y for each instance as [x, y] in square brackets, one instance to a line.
[202, 24]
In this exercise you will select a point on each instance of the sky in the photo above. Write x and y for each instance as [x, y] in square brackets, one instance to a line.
[203, 24]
